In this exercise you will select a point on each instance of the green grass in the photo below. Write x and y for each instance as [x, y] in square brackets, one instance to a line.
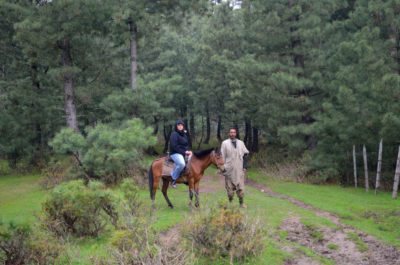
[21, 198]
[332, 246]
[321, 259]
[378, 215]
[362, 247]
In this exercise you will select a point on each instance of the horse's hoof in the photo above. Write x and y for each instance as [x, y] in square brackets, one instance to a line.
[171, 206]
[197, 205]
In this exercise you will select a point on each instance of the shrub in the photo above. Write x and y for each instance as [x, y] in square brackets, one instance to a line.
[58, 171]
[4, 167]
[106, 152]
[14, 247]
[73, 208]
[132, 203]
[19, 245]
[224, 231]
[44, 249]
[135, 242]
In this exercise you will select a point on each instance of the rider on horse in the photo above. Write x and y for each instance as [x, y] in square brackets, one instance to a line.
[179, 147]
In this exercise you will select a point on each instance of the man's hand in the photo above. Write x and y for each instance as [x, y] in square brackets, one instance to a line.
[189, 153]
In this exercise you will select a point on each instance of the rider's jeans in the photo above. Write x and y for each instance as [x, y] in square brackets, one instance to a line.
[179, 165]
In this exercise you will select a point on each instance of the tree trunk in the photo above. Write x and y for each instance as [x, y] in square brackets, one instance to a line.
[246, 133]
[254, 145]
[396, 177]
[354, 166]
[398, 52]
[36, 106]
[219, 125]
[167, 134]
[248, 139]
[68, 79]
[202, 133]
[299, 62]
[366, 168]
[189, 135]
[156, 126]
[295, 41]
[192, 127]
[208, 126]
[133, 49]
[379, 167]
[236, 126]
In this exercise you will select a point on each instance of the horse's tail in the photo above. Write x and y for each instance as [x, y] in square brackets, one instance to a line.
[151, 181]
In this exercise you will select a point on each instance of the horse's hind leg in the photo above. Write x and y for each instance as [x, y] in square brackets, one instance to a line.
[164, 192]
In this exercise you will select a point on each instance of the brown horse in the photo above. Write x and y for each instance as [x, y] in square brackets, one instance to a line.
[199, 162]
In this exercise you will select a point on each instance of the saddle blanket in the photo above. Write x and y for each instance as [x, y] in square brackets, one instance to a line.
[167, 168]
[169, 165]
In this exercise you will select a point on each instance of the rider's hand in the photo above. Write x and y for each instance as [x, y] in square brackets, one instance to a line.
[189, 153]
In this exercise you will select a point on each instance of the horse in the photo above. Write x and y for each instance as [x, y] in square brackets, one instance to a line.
[199, 162]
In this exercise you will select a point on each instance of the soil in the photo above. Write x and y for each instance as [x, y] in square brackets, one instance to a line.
[332, 243]
[171, 237]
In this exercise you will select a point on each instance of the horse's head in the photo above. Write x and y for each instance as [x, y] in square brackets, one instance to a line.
[216, 159]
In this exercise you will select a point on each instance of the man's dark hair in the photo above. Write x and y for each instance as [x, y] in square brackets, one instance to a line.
[234, 128]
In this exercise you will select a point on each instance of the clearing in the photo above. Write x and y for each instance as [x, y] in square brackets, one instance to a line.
[306, 224]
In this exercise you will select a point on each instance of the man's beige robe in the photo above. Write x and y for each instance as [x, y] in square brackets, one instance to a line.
[233, 163]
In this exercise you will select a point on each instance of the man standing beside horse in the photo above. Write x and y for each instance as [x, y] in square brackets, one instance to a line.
[233, 152]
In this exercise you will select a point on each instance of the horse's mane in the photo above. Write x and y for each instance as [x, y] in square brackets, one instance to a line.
[203, 153]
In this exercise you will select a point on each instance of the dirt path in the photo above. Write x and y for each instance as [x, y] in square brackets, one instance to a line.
[170, 237]
[211, 184]
[344, 244]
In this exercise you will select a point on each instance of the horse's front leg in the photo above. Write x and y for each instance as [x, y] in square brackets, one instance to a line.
[196, 193]
[191, 191]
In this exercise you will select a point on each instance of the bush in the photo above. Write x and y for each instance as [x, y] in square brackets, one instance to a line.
[14, 247]
[135, 242]
[133, 204]
[58, 171]
[44, 249]
[73, 208]
[224, 231]
[4, 167]
[19, 245]
[106, 152]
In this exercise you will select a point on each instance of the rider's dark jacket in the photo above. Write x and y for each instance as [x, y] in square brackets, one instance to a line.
[178, 143]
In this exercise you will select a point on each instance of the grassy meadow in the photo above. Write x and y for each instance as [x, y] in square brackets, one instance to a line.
[21, 198]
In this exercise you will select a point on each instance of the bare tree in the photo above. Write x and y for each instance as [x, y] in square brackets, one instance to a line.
[366, 168]
[396, 177]
[379, 167]
[354, 166]
[68, 79]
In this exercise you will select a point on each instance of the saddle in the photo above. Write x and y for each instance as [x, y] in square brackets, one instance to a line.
[169, 165]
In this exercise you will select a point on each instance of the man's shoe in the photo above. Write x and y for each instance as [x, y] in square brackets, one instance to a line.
[174, 184]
